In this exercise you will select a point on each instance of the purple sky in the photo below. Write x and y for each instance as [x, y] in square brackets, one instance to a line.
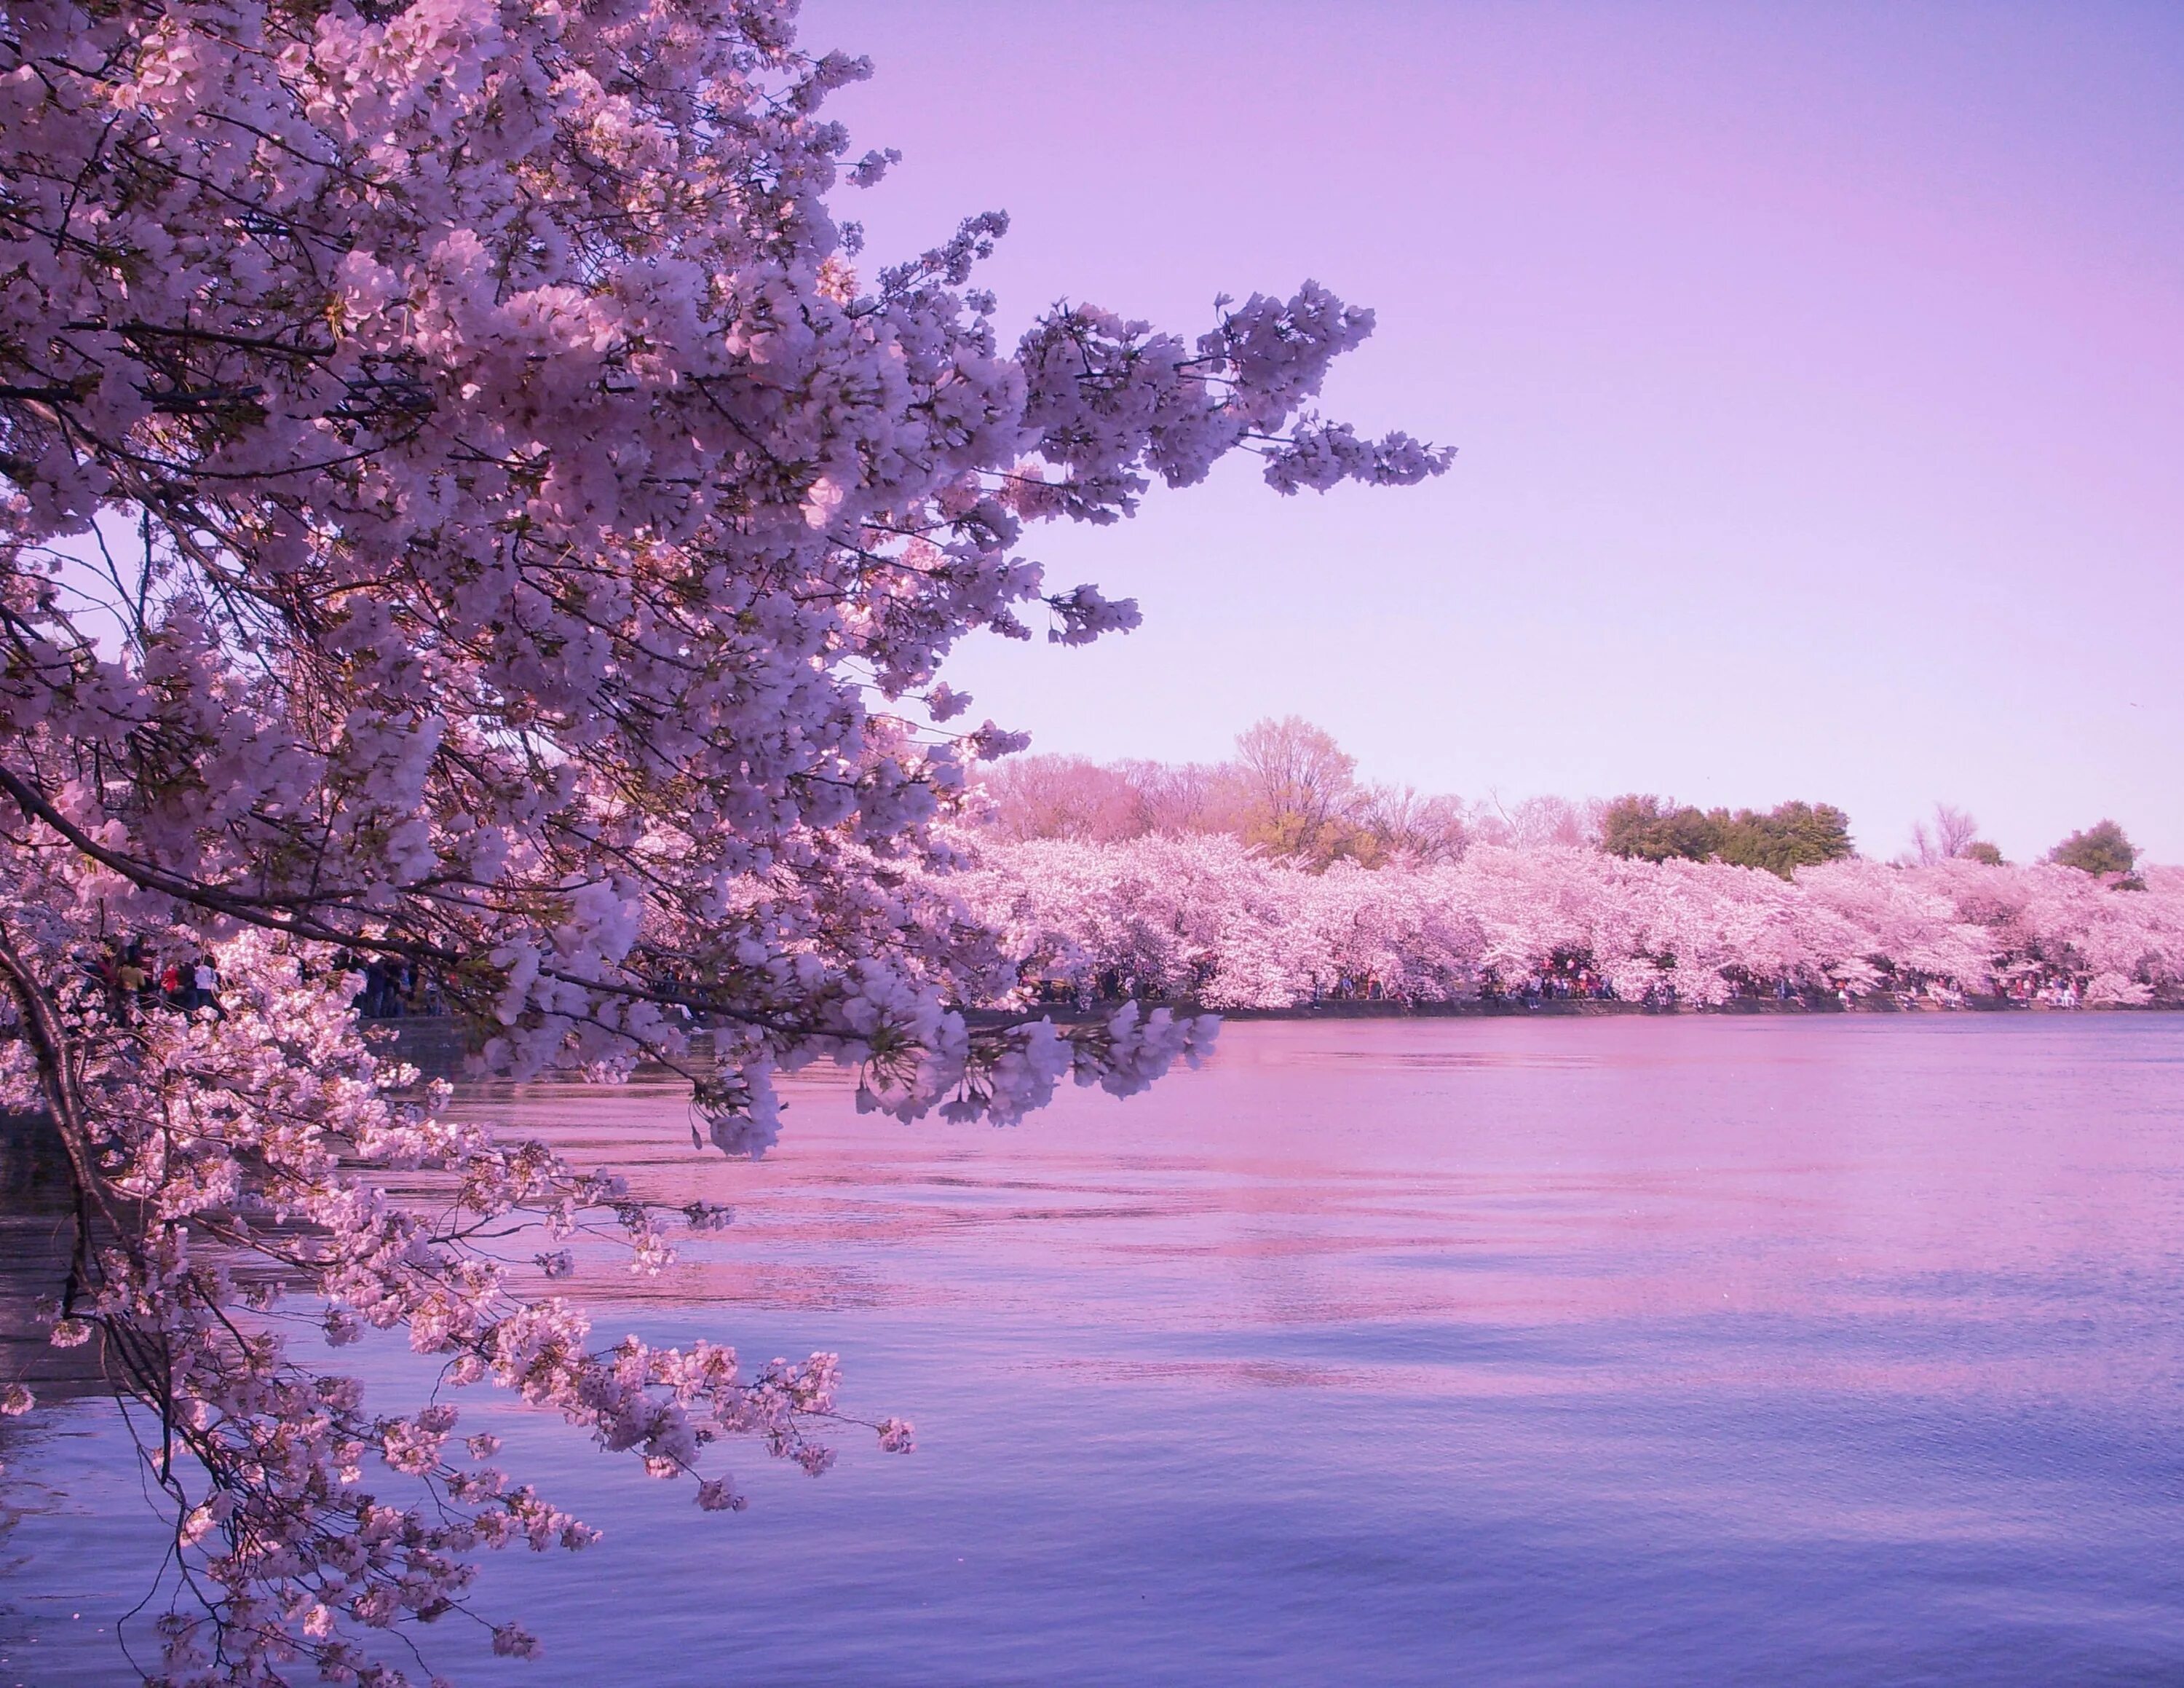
[1818, 375]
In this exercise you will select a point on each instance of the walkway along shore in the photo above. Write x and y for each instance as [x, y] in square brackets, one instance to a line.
[1386, 1009]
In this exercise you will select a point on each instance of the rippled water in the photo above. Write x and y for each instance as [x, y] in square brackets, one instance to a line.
[1615, 1351]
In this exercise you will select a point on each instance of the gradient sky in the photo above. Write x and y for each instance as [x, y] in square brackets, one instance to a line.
[1817, 371]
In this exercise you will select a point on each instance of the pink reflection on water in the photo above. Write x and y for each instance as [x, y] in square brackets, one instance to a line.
[1610, 1353]
[1661, 1184]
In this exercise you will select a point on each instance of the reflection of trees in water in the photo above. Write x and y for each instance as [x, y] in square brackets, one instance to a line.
[37, 1228]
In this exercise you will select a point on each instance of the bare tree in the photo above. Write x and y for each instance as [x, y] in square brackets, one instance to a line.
[1063, 796]
[1299, 781]
[1950, 833]
[1291, 789]
[1540, 823]
[1397, 822]
[1174, 798]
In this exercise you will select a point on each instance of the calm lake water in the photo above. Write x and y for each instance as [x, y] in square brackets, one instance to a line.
[1640, 1351]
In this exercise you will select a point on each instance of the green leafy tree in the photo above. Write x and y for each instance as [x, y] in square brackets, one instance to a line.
[1651, 830]
[1781, 840]
[2101, 848]
[1786, 837]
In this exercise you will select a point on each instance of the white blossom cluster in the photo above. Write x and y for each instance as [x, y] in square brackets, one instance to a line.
[235, 1136]
[544, 533]
[1208, 920]
[463, 509]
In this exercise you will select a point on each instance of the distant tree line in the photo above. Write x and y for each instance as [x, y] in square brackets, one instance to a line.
[1291, 791]
[1208, 921]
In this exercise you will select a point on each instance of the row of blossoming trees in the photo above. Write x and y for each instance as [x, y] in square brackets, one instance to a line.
[1209, 919]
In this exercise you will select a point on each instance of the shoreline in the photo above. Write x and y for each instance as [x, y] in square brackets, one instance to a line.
[410, 1029]
[1879, 1003]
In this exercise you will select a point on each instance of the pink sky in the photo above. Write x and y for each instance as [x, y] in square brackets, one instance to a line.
[1818, 375]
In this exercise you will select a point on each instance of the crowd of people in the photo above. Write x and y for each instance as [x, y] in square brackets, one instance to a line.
[2034, 985]
[132, 978]
[1565, 978]
[395, 990]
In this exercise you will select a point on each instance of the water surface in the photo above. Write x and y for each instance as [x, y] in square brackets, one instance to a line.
[1605, 1351]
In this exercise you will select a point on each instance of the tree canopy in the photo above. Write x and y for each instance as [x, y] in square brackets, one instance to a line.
[1788, 836]
[464, 507]
[1290, 790]
[2100, 848]
[1207, 918]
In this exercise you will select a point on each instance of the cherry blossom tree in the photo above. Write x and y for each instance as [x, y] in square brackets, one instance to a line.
[465, 511]
[1210, 920]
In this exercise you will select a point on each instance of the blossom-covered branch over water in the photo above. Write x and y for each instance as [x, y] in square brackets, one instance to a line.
[465, 508]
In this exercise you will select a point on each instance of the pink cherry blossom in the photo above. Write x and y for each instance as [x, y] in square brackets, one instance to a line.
[1207, 919]
[536, 524]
